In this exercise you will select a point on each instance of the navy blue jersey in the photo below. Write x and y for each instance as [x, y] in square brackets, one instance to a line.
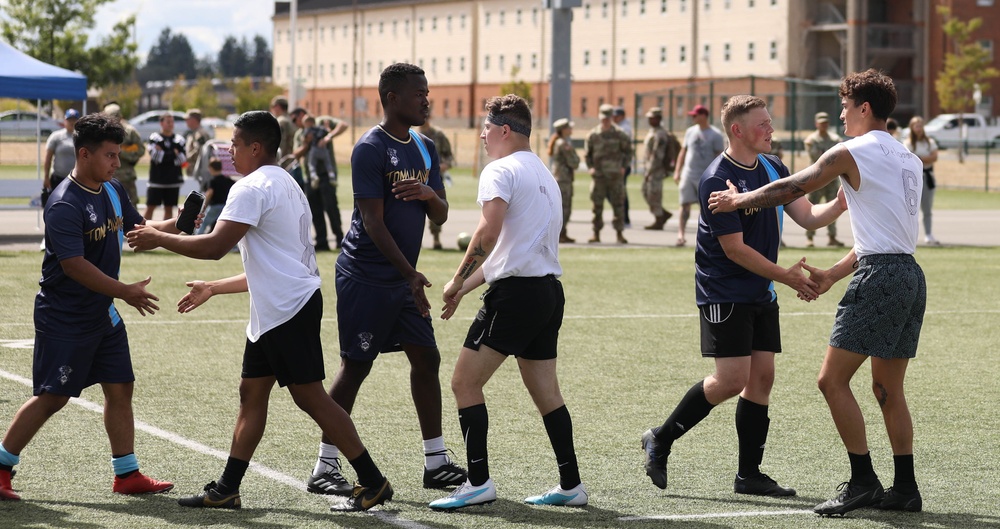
[80, 222]
[378, 160]
[717, 279]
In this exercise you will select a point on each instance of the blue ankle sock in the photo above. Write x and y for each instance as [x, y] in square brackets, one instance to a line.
[7, 458]
[125, 464]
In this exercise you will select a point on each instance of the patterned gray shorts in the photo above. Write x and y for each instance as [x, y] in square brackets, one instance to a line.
[883, 309]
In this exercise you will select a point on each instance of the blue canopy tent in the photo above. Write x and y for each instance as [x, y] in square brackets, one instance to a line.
[25, 77]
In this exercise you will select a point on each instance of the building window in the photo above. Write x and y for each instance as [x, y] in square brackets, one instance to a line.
[486, 18]
[447, 65]
[726, 4]
[309, 34]
[434, 23]
[434, 64]
[726, 49]
[343, 71]
[774, 50]
[624, 56]
[706, 52]
[458, 107]
[684, 53]
[774, 2]
[406, 26]
[368, 68]
[583, 106]
[749, 3]
[449, 23]
[395, 27]
[663, 55]
[517, 61]
[750, 52]
[461, 24]
[333, 70]
[369, 28]
[663, 6]
[500, 17]
[534, 16]
[604, 57]
[586, 57]
[624, 8]
[322, 34]
[381, 28]
[500, 65]
[707, 6]
[984, 3]
[642, 55]
[420, 25]
[586, 11]
[534, 61]
[988, 46]
[684, 6]
[604, 10]
[486, 62]
[642, 7]
[517, 17]
[461, 64]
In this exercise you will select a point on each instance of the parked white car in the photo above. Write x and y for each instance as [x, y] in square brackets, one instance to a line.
[24, 124]
[945, 131]
[149, 122]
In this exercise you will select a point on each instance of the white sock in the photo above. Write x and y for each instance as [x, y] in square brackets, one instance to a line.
[435, 453]
[327, 458]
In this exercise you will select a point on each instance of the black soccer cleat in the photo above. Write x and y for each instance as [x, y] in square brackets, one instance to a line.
[656, 459]
[901, 501]
[211, 498]
[760, 485]
[364, 498]
[852, 496]
[444, 476]
[329, 482]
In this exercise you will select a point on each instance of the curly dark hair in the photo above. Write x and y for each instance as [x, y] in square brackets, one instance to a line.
[94, 129]
[512, 107]
[873, 87]
[394, 77]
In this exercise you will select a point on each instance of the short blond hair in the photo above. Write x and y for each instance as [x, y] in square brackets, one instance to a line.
[737, 107]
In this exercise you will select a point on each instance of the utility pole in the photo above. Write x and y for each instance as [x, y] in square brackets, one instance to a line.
[560, 83]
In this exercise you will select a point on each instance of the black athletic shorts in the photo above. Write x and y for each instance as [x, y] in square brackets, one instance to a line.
[734, 329]
[291, 352]
[521, 317]
[166, 196]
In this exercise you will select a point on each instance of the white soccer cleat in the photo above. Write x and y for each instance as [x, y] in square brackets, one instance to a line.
[465, 495]
[575, 497]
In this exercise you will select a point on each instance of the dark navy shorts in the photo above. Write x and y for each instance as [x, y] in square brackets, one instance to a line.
[166, 196]
[730, 330]
[65, 365]
[521, 317]
[378, 319]
[291, 352]
[882, 310]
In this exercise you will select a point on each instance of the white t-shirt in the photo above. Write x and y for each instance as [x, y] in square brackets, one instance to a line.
[528, 245]
[885, 206]
[278, 257]
[923, 148]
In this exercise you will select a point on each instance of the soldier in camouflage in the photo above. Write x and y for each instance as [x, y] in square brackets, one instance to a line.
[661, 153]
[194, 139]
[132, 150]
[820, 141]
[608, 152]
[447, 161]
[563, 161]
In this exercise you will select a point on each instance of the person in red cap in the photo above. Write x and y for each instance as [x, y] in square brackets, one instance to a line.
[702, 144]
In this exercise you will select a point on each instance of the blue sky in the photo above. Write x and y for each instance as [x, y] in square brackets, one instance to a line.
[205, 23]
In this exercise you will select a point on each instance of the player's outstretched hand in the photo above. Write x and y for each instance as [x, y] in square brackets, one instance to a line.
[821, 277]
[452, 297]
[806, 288]
[412, 189]
[417, 285]
[200, 293]
[723, 201]
[143, 238]
[140, 298]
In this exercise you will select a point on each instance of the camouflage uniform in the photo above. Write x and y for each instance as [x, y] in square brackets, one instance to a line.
[816, 144]
[657, 141]
[563, 164]
[132, 150]
[445, 155]
[194, 140]
[607, 154]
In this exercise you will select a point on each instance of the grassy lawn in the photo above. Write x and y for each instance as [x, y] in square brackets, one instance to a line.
[628, 352]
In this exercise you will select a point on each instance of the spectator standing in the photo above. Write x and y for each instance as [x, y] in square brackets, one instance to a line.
[608, 153]
[702, 144]
[194, 139]
[446, 159]
[563, 162]
[626, 125]
[60, 156]
[926, 149]
[661, 154]
[132, 150]
[167, 155]
[80, 337]
[820, 141]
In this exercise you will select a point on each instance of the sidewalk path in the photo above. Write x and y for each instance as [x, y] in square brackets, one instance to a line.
[21, 230]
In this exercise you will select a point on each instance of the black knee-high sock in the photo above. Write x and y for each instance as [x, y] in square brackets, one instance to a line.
[690, 411]
[904, 481]
[232, 476]
[751, 429]
[559, 426]
[368, 473]
[475, 423]
[862, 471]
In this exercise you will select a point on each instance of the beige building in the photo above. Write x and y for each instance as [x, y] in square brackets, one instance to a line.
[620, 47]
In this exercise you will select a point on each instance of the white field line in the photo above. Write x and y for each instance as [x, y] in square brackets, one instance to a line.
[295, 483]
[146, 321]
[739, 514]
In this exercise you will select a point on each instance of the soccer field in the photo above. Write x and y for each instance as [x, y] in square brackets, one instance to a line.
[628, 352]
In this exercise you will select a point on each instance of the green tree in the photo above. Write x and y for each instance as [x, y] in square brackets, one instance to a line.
[170, 57]
[254, 97]
[233, 58]
[200, 94]
[56, 31]
[517, 86]
[126, 95]
[965, 67]
[261, 59]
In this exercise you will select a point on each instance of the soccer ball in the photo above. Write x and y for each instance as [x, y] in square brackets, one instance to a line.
[463, 241]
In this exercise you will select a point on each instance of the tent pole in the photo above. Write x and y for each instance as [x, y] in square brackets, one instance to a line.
[38, 155]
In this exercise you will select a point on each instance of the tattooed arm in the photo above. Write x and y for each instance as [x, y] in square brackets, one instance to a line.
[469, 275]
[834, 162]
